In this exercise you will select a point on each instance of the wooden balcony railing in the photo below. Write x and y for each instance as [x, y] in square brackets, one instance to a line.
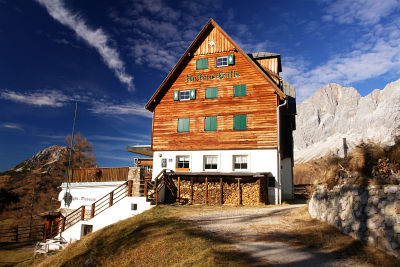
[99, 174]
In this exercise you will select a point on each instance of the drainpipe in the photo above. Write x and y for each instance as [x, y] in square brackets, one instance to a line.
[279, 151]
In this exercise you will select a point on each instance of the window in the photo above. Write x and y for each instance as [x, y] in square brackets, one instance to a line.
[184, 95]
[202, 64]
[239, 122]
[163, 163]
[183, 125]
[210, 123]
[240, 162]
[133, 206]
[222, 61]
[182, 162]
[210, 162]
[211, 92]
[240, 90]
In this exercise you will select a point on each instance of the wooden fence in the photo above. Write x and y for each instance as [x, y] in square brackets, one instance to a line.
[15, 233]
[99, 174]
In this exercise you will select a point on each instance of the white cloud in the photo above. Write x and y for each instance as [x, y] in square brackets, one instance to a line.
[12, 126]
[94, 37]
[131, 108]
[364, 12]
[50, 98]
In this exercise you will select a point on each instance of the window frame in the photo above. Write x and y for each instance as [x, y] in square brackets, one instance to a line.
[226, 60]
[237, 126]
[183, 126]
[205, 160]
[247, 162]
[183, 168]
[184, 91]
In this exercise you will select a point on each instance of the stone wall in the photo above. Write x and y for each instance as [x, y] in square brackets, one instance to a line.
[368, 213]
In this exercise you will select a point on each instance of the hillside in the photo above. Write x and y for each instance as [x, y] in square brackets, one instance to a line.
[334, 112]
[44, 173]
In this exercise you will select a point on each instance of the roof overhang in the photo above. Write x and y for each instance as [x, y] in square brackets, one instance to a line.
[144, 150]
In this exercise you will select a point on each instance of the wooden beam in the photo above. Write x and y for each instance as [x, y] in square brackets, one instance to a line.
[111, 202]
[239, 192]
[221, 193]
[259, 190]
[156, 189]
[130, 183]
[191, 190]
[179, 189]
[93, 210]
[145, 189]
[206, 193]
[83, 213]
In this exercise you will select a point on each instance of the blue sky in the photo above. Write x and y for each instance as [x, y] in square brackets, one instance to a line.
[111, 56]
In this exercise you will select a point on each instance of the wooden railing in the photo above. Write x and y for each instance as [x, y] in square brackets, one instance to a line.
[15, 233]
[152, 188]
[99, 174]
[82, 213]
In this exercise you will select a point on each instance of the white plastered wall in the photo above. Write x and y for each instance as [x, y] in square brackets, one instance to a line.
[261, 160]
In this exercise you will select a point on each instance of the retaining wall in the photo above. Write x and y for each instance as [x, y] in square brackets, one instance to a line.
[368, 213]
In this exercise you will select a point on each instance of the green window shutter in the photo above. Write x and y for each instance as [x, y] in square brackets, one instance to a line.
[192, 94]
[210, 124]
[240, 122]
[211, 92]
[183, 125]
[231, 59]
[202, 64]
[240, 90]
[176, 95]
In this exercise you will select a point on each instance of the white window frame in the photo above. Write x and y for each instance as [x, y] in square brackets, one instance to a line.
[184, 91]
[222, 58]
[177, 161]
[204, 163]
[247, 159]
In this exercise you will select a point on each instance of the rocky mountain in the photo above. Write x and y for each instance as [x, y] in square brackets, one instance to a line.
[334, 112]
[36, 178]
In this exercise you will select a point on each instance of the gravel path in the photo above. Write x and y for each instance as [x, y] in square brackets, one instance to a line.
[244, 227]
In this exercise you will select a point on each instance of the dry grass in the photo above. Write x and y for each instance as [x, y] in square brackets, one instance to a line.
[12, 254]
[154, 238]
[302, 231]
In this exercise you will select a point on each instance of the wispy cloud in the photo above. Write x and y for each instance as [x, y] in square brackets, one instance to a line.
[96, 38]
[49, 98]
[108, 108]
[13, 126]
[365, 12]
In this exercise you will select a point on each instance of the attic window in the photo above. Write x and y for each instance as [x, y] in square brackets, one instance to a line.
[222, 61]
[184, 95]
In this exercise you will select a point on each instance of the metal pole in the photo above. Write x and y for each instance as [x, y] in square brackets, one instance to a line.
[70, 154]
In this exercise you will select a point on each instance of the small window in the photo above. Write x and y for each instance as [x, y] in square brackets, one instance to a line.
[210, 162]
[222, 61]
[133, 206]
[183, 125]
[240, 122]
[182, 162]
[240, 90]
[184, 95]
[240, 162]
[163, 163]
[202, 64]
[210, 123]
[211, 92]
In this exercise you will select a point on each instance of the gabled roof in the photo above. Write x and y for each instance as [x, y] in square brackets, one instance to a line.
[168, 81]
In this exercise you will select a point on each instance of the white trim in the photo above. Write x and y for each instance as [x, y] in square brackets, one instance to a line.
[218, 162]
[216, 62]
[241, 170]
[182, 92]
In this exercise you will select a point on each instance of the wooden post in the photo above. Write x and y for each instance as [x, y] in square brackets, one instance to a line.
[83, 213]
[145, 189]
[221, 193]
[93, 210]
[206, 193]
[156, 189]
[259, 190]
[239, 193]
[63, 224]
[44, 232]
[191, 190]
[179, 189]
[111, 198]
[130, 188]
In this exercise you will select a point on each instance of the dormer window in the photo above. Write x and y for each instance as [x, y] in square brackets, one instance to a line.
[184, 95]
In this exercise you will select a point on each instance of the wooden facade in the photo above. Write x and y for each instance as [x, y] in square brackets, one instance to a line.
[259, 104]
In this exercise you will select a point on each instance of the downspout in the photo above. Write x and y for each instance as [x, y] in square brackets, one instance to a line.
[279, 151]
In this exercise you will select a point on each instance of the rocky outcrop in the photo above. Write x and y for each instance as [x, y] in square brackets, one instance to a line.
[368, 213]
[334, 112]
